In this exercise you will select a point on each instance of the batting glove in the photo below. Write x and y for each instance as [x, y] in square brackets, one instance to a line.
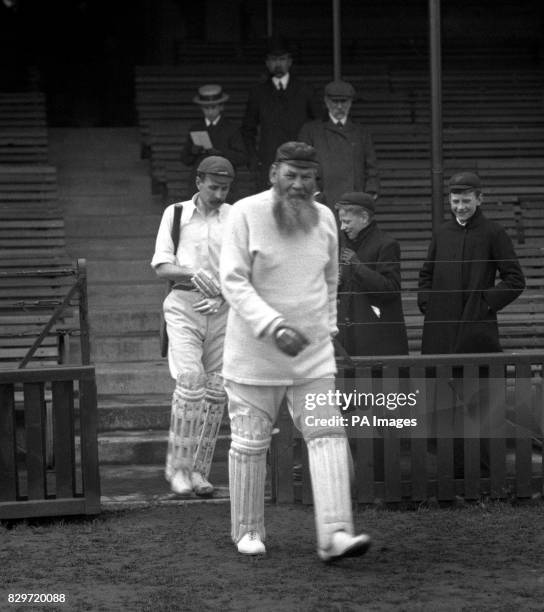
[206, 284]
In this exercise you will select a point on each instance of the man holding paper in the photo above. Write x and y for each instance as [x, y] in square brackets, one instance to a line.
[214, 134]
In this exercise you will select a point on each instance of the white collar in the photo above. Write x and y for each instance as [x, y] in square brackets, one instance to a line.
[335, 121]
[214, 122]
[284, 81]
[192, 209]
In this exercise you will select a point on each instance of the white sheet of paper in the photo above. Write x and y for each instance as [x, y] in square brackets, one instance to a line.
[201, 139]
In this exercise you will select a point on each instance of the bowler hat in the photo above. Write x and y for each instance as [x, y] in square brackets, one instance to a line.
[357, 198]
[214, 164]
[463, 181]
[297, 154]
[339, 90]
[210, 94]
[276, 47]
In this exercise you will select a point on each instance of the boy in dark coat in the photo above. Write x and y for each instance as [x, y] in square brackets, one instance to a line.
[370, 316]
[458, 293]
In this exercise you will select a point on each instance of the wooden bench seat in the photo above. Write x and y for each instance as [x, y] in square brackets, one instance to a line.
[532, 219]
[23, 145]
[180, 81]
[40, 233]
[22, 110]
[29, 294]
[26, 229]
[17, 338]
[22, 284]
[35, 270]
[28, 297]
[27, 184]
[397, 52]
[413, 141]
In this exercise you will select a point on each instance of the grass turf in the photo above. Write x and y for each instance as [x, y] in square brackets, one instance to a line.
[485, 557]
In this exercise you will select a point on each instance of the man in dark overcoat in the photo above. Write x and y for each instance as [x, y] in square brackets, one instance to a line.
[276, 110]
[225, 137]
[370, 316]
[344, 148]
[458, 291]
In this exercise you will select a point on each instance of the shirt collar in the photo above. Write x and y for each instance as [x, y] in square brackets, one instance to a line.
[284, 81]
[191, 210]
[335, 121]
[214, 122]
[471, 220]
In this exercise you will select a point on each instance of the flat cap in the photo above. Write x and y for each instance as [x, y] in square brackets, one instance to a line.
[357, 198]
[214, 164]
[297, 154]
[464, 180]
[339, 89]
[210, 94]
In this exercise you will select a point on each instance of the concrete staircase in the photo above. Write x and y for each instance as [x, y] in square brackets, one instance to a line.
[111, 220]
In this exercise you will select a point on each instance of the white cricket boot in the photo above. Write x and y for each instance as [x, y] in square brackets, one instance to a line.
[247, 473]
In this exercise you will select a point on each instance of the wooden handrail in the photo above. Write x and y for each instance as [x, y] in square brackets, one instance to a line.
[80, 287]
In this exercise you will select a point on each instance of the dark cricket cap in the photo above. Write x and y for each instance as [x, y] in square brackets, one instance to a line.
[357, 198]
[214, 164]
[339, 90]
[297, 154]
[464, 180]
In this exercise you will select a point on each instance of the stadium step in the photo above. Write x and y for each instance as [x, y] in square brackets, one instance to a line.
[144, 447]
[132, 204]
[106, 270]
[133, 378]
[134, 319]
[142, 411]
[113, 226]
[133, 485]
[129, 347]
[125, 294]
[98, 148]
[97, 247]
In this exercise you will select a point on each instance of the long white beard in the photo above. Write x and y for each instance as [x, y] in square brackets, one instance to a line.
[294, 214]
